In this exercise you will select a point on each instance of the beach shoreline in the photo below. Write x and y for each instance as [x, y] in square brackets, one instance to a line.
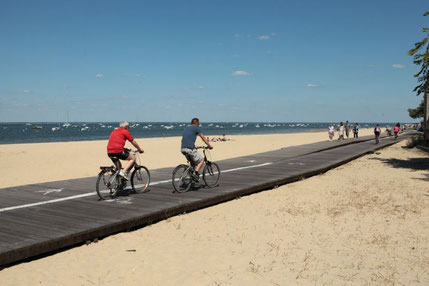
[14, 133]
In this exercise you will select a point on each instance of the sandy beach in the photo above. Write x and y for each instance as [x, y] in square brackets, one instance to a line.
[364, 223]
[44, 162]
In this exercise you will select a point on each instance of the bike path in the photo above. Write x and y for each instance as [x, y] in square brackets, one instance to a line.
[34, 193]
[39, 218]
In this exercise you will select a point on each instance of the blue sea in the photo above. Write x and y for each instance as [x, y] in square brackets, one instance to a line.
[33, 132]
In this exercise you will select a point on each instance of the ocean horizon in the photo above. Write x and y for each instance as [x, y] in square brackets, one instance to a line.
[39, 132]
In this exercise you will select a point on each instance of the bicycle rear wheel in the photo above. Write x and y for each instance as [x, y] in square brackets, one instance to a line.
[211, 174]
[107, 186]
[140, 179]
[182, 179]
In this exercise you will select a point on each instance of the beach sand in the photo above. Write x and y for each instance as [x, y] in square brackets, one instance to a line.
[364, 223]
[45, 162]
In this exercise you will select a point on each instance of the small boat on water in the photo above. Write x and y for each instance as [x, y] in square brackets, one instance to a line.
[37, 127]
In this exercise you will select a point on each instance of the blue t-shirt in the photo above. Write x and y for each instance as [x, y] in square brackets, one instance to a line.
[189, 136]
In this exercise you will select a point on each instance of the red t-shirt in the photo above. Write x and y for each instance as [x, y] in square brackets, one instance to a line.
[117, 140]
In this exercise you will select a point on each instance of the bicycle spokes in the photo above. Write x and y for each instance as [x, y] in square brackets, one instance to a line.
[140, 179]
[211, 174]
[182, 179]
[107, 185]
[210, 170]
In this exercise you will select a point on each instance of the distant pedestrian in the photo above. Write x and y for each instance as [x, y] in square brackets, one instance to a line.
[389, 130]
[340, 130]
[347, 128]
[396, 129]
[331, 132]
[377, 132]
[356, 130]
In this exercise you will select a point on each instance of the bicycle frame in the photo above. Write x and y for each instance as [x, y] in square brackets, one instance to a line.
[206, 161]
[204, 152]
[118, 166]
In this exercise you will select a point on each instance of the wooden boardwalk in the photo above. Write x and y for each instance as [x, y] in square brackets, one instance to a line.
[41, 218]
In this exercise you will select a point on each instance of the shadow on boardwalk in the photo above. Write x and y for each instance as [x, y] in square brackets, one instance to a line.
[416, 164]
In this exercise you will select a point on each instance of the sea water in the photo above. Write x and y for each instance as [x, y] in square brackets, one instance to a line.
[31, 132]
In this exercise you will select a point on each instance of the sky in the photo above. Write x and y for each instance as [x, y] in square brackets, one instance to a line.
[283, 61]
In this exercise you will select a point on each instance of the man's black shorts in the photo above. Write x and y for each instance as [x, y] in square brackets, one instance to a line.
[116, 156]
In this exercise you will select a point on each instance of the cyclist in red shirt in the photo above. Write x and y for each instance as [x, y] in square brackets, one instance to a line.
[116, 150]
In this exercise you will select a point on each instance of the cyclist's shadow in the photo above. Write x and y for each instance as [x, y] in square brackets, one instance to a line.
[128, 191]
[195, 188]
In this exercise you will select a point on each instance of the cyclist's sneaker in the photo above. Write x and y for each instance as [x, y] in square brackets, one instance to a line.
[123, 175]
[195, 176]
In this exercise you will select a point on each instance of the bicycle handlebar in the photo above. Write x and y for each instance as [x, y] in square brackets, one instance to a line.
[202, 147]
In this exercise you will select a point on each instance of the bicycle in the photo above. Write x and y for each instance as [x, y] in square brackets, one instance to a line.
[184, 175]
[109, 183]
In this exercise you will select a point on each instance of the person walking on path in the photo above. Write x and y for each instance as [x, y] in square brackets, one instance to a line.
[396, 129]
[389, 130]
[377, 132]
[331, 131]
[347, 127]
[340, 130]
[356, 130]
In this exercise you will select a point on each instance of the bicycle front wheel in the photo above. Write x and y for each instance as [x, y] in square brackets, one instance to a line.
[182, 179]
[107, 185]
[140, 179]
[211, 174]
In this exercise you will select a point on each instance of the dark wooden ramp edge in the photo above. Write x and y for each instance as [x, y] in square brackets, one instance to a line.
[52, 246]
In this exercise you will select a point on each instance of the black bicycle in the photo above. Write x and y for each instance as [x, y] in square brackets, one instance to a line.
[184, 176]
[110, 183]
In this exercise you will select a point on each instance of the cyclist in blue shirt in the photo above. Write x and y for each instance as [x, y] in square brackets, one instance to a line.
[188, 145]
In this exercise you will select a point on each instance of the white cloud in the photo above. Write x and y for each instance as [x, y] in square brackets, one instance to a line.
[241, 73]
[264, 37]
[194, 87]
[26, 91]
[99, 75]
[398, 66]
[269, 52]
[140, 75]
[312, 85]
